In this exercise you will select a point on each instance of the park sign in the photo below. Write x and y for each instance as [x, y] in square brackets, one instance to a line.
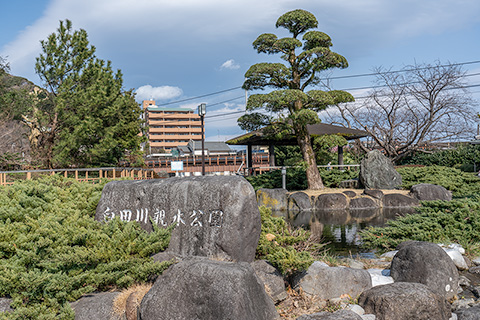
[213, 216]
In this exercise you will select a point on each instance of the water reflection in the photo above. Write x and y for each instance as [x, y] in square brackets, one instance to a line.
[340, 227]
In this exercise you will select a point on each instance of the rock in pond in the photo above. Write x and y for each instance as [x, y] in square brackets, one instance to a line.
[275, 199]
[331, 201]
[299, 201]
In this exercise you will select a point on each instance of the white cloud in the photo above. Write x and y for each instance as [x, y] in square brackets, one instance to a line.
[230, 64]
[157, 93]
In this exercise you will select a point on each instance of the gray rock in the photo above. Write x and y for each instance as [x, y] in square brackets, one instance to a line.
[332, 282]
[272, 280]
[349, 184]
[338, 315]
[5, 305]
[299, 201]
[369, 317]
[379, 277]
[363, 203]
[350, 193]
[457, 258]
[460, 304]
[389, 254]
[215, 216]
[426, 263]
[95, 306]
[403, 300]
[199, 288]
[397, 200]
[331, 201]
[356, 308]
[429, 192]
[377, 194]
[275, 199]
[472, 313]
[354, 264]
[377, 172]
[474, 270]
[476, 261]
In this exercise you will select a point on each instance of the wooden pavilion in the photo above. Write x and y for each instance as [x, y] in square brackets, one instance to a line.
[258, 138]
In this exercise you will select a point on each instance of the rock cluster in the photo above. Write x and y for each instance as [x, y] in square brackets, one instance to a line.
[281, 200]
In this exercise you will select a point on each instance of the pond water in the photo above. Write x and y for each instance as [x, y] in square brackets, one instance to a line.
[340, 228]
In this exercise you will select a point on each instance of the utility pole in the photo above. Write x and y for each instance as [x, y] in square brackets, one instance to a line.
[202, 110]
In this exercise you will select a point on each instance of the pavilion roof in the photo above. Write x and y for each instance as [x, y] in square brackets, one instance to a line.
[258, 138]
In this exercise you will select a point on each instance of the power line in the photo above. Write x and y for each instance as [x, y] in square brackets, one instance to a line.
[406, 70]
[198, 97]
[400, 84]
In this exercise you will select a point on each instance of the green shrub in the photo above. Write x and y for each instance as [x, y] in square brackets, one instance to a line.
[290, 250]
[52, 251]
[462, 157]
[456, 221]
[460, 183]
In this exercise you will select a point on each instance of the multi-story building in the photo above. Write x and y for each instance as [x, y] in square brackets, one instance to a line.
[170, 127]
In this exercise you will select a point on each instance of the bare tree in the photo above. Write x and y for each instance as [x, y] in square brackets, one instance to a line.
[411, 109]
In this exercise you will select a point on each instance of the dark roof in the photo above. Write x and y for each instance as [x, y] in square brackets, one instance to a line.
[258, 138]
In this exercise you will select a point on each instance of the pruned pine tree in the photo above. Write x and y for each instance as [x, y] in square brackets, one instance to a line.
[290, 106]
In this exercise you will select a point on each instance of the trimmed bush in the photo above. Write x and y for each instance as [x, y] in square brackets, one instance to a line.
[52, 251]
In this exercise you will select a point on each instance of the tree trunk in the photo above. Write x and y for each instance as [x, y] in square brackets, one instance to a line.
[313, 176]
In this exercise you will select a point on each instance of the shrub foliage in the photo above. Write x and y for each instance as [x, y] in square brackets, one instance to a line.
[460, 183]
[52, 251]
[290, 250]
[456, 221]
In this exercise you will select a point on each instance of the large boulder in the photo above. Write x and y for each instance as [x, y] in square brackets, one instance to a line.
[377, 172]
[326, 282]
[214, 216]
[208, 290]
[299, 201]
[338, 315]
[275, 199]
[429, 192]
[397, 200]
[426, 263]
[403, 300]
[272, 280]
[96, 306]
[331, 201]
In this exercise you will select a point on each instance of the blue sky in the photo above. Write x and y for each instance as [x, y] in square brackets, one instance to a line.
[174, 50]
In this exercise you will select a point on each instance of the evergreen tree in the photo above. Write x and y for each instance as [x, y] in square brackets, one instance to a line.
[92, 120]
[293, 108]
